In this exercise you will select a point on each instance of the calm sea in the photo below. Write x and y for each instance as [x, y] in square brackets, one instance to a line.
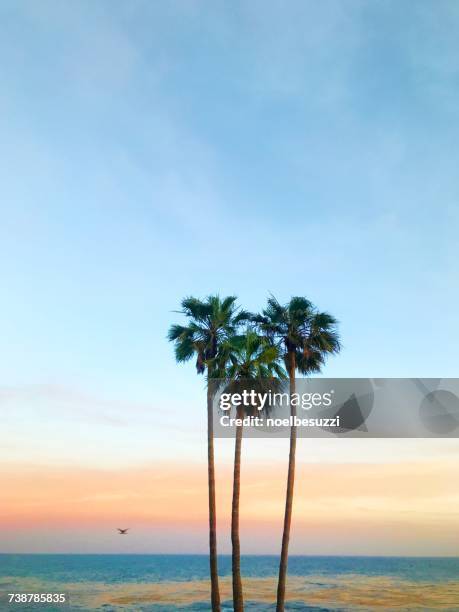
[172, 582]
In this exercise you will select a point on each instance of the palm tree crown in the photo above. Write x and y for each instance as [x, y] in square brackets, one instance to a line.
[211, 322]
[305, 332]
[250, 356]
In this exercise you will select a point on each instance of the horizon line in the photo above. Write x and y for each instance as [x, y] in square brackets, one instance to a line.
[159, 554]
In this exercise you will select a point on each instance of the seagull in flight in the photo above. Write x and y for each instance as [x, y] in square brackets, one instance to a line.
[123, 531]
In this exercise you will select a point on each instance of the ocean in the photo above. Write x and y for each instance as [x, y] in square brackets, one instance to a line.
[180, 582]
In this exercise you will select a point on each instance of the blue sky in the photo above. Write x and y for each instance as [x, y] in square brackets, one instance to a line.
[155, 150]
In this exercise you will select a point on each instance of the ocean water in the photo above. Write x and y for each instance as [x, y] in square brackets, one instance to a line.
[180, 582]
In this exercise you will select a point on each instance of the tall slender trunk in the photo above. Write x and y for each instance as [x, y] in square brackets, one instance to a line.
[215, 592]
[289, 494]
[238, 600]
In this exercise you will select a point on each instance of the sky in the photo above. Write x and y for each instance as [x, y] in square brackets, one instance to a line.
[151, 151]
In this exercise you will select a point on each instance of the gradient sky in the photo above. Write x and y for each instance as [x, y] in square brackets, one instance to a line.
[154, 150]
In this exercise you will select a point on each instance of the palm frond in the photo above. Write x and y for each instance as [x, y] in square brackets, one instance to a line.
[175, 331]
[194, 308]
[299, 328]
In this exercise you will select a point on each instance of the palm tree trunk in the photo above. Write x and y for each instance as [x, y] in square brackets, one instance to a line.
[289, 495]
[215, 593]
[238, 601]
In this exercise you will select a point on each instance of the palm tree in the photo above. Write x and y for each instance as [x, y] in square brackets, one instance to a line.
[306, 337]
[248, 361]
[211, 322]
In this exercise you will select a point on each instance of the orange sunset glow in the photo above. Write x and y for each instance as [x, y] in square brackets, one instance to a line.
[402, 507]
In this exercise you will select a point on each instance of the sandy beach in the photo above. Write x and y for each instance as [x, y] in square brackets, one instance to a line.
[340, 592]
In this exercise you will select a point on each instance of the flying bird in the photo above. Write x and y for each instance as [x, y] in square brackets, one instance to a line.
[123, 531]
